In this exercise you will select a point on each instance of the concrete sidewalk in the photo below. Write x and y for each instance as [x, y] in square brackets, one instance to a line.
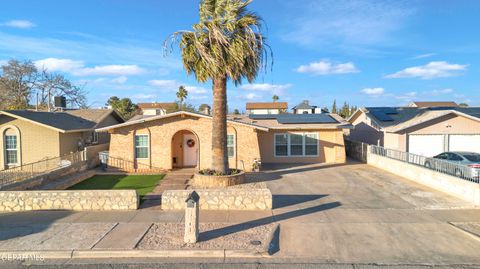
[325, 235]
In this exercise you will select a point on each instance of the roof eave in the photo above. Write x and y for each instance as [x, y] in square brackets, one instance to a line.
[296, 127]
[33, 122]
[458, 113]
[105, 129]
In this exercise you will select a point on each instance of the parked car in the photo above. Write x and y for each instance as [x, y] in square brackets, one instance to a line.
[458, 163]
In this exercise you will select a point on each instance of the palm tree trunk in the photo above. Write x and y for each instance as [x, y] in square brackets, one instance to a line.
[219, 126]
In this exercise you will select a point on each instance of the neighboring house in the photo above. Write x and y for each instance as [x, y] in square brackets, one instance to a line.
[30, 136]
[424, 131]
[153, 109]
[267, 108]
[433, 104]
[184, 139]
[305, 108]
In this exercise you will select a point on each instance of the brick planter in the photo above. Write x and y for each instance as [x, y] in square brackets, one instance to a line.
[209, 181]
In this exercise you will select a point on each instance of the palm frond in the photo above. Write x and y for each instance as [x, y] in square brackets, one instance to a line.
[227, 41]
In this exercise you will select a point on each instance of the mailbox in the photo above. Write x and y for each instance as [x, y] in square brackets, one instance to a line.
[192, 199]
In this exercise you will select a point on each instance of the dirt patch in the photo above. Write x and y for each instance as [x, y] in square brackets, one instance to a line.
[164, 236]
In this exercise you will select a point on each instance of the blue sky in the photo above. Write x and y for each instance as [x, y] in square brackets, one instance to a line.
[368, 53]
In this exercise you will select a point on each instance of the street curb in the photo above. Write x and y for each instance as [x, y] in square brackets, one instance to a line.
[99, 254]
[32, 254]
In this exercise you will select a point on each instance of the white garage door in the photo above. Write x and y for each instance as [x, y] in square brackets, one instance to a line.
[464, 143]
[426, 145]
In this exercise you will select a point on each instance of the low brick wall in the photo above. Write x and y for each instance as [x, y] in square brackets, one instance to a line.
[220, 199]
[78, 200]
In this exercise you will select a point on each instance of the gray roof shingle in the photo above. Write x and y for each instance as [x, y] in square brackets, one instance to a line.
[70, 120]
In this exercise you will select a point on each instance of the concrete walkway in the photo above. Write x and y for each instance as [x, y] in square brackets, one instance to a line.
[177, 179]
[327, 214]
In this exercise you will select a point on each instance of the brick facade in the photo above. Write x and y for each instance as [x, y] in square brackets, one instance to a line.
[250, 143]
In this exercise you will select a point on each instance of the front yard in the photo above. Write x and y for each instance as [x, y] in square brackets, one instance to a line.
[143, 184]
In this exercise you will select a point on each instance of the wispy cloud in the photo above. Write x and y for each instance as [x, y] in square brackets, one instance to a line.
[89, 49]
[345, 23]
[21, 24]
[373, 91]
[381, 92]
[325, 67]
[164, 84]
[110, 70]
[250, 96]
[194, 92]
[430, 71]
[144, 96]
[441, 91]
[279, 89]
[423, 56]
[119, 80]
[77, 68]
[104, 81]
[409, 96]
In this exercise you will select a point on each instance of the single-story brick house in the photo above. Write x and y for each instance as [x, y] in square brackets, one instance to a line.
[29, 136]
[426, 131]
[183, 139]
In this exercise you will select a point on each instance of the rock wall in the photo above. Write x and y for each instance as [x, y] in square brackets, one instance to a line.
[220, 199]
[78, 200]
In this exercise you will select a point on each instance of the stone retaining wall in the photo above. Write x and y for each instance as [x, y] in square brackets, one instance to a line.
[220, 199]
[78, 200]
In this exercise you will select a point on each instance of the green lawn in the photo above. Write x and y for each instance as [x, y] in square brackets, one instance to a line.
[142, 183]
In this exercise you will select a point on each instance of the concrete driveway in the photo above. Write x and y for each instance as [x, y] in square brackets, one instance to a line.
[355, 213]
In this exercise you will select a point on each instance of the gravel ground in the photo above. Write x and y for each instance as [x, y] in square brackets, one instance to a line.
[212, 236]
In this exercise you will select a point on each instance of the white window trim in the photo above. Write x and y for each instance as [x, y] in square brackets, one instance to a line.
[289, 155]
[135, 146]
[234, 145]
[275, 145]
[94, 137]
[7, 150]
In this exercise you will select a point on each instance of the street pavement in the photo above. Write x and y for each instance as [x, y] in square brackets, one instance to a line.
[342, 216]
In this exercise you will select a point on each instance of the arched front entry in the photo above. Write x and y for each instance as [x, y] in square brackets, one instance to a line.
[185, 149]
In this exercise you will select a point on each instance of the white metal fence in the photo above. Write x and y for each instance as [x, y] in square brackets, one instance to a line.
[458, 170]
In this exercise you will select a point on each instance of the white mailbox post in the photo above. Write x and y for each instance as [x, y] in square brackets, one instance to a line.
[191, 218]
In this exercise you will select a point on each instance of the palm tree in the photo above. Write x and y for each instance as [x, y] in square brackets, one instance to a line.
[182, 95]
[226, 44]
[275, 98]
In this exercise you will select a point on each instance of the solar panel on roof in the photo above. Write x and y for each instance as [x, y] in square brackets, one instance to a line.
[305, 118]
[295, 118]
[385, 110]
[380, 115]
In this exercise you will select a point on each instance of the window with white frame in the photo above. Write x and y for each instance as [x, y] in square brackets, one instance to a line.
[231, 145]
[11, 149]
[94, 137]
[141, 146]
[311, 144]
[281, 144]
[296, 144]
